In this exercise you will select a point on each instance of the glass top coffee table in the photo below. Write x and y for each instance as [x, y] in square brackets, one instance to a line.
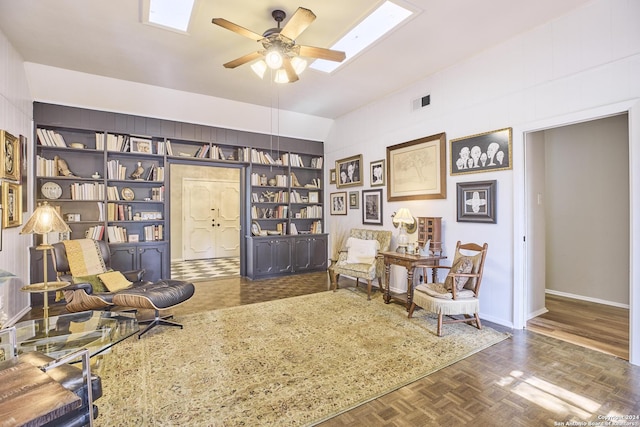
[57, 336]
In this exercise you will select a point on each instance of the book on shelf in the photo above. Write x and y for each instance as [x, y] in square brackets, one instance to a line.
[169, 149]
[95, 232]
[50, 138]
[116, 234]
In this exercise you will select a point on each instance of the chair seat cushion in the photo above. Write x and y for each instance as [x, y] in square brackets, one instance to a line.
[438, 290]
[114, 281]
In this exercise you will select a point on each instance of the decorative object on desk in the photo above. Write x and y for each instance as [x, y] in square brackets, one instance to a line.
[354, 200]
[338, 203]
[137, 172]
[410, 228]
[372, 207]
[402, 218]
[349, 171]
[417, 169]
[476, 201]
[377, 173]
[484, 152]
[9, 156]
[128, 194]
[332, 176]
[424, 250]
[12, 205]
[63, 167]
[51, 190]
[44, 220]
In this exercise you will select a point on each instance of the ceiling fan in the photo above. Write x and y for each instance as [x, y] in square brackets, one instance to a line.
[281, 53]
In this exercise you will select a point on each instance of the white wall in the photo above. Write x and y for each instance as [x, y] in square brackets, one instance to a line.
[584, 60]
[16, 113]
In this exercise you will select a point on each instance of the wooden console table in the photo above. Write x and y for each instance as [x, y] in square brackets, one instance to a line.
[410, 262]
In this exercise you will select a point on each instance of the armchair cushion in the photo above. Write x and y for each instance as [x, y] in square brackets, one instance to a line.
[114, 281]
[361, 251]
[93, 280]
[462, 265]
[437, 290]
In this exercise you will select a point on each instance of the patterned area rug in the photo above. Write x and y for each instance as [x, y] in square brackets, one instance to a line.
[294, 362]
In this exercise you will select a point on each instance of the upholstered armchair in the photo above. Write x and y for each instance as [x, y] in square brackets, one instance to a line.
[359, 257]
[459, 293]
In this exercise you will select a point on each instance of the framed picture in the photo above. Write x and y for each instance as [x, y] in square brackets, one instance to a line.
[10, 167]
[477, 201]
[338, 203]
[354, 200]
[417, 169]
[332, 176]
[23, 169]
[313, 197]
[133, 237]
[483, 152]
[377, 173]
[11, 205]
[349, 171]
[139, 145]
[372, 207]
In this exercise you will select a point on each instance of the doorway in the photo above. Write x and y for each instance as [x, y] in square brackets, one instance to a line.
[578, 218]
[205, 205]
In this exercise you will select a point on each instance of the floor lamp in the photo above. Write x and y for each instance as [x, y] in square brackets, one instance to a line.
[45, 219]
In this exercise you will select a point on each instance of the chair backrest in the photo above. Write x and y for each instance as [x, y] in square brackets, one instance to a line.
[478, 254]
[383, 237]
[61, 262]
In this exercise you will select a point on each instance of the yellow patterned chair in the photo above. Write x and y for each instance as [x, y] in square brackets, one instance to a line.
[358, 258]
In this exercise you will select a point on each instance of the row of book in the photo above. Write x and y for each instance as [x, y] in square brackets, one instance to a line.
[119, 212]
[118, 234]
[116, 170]
[212, 151]
[296, 160]
[50, 138]
[87, 191]
[153, 232]
[95, 232]
[276, 212]
[316, 228]
[46, 167]
[310, 212]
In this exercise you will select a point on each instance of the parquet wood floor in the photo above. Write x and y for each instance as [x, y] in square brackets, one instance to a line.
[527, 380]
[600, 327]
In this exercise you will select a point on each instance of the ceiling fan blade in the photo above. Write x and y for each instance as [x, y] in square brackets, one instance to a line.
[299, 22]
[321, 53]
[237, 29]
[243, 60]
[291, 73]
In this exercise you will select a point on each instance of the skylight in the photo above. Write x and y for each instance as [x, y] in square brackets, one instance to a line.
[385, 18]
[172, 14]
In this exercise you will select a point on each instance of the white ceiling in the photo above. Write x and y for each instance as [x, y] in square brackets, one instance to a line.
[107, 38]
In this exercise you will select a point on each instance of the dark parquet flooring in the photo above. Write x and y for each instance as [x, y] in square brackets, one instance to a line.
[527, 380]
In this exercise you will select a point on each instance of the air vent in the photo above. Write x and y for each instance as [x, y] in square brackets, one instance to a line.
[421, 102]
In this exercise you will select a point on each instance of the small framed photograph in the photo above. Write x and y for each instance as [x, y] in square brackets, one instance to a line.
[484, 152]
[10, 167]
[332, 176]
[477, 201]
[349, 171]
[372, 207]
[354, 200]
[11, 205]
[255, 229]
[133, 237]
[140, 145]
[313, 197]
[377, 173]
[338, 203]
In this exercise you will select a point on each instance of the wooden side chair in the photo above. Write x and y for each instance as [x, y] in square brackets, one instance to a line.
[458, 295]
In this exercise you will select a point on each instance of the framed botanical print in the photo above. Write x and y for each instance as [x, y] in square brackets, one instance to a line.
[372, 207]
[349, 171]
[10, 167]
[11, 205]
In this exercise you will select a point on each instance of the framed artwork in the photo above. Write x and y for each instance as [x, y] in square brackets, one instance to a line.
[332, 176]
[141, 146]
[417, 169]
[377, 173]
[372, 207]
[10, 167]
[23, 169]
[477, 201]
[11, 205]
[354, 200]
[349, 171]
[338, 203]
[313, 197]
[483, 152]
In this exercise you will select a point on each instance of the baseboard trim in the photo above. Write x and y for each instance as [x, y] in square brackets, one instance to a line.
[537, 313]
[589, 299]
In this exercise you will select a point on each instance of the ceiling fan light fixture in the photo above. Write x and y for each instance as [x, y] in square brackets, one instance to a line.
[273, 58]
[259, 67]
[281, 76]
[299, 64]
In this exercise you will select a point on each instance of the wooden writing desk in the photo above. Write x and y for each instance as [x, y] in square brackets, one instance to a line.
[410, 262]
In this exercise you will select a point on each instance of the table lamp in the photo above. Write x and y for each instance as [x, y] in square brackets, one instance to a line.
[401, 219]
[45, 219]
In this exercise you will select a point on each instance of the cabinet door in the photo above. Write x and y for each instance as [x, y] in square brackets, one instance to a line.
[282, 255]
[124, 257]
[154, 261]
[263, 258]
[318, 253]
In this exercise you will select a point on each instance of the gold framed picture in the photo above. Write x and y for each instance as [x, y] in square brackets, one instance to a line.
[349, 171]
[11, 205]
[9, 156]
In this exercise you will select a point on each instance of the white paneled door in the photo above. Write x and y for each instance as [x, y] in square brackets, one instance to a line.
[211, 218]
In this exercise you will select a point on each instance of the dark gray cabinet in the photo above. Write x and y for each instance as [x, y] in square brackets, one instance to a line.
[310, 253]
[286, 254]
[153, 257]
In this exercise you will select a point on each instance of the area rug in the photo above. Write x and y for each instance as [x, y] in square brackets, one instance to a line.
[291, 362]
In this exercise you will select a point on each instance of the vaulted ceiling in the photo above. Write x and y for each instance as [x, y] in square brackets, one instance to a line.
[107, 38]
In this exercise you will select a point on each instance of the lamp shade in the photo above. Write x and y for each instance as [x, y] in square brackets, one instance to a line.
[45, 219]
[273, 58]
[403, 216]
[259, 68]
